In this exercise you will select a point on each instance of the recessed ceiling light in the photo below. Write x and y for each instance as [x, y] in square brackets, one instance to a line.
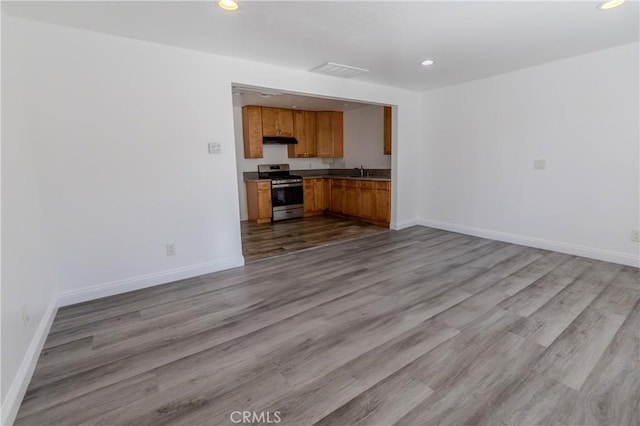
[228, 4]
[427, 62]
[610, 4]
[294, 106]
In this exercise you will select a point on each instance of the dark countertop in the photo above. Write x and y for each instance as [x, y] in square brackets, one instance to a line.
[383, 175]
[376, 178]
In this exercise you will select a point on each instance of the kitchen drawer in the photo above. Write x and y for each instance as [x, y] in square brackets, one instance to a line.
[383, 185]
[352, 183]
[367, 184]
[264, 185]
[338, 182]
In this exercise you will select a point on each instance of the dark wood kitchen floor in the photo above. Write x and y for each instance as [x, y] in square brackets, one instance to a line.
[260, 241]
[414, 327]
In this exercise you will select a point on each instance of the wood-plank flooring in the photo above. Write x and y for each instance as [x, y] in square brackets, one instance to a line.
[260, 241]
[415, 327]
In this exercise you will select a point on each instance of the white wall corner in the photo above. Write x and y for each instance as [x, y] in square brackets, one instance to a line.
[143, 281]
[559, 246]
[18, 388]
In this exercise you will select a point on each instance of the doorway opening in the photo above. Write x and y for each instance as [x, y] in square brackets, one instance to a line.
[312, 170]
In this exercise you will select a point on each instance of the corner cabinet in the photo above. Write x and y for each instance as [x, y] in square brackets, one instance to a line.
[386, 132]
[316, 194]
[366, 200]
[252, 131]
[305, 131]
[329, 134]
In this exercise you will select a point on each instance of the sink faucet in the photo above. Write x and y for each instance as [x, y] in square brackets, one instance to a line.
[360, 170]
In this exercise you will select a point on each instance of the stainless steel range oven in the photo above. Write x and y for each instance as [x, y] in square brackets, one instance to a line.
[287, 193]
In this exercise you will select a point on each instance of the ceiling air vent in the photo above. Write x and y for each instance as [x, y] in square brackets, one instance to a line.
[337, 70]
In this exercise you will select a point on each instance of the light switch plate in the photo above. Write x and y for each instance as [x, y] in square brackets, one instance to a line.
[215, 148]
[539, 164]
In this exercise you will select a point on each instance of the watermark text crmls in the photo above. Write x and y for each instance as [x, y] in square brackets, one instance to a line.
[248, 417]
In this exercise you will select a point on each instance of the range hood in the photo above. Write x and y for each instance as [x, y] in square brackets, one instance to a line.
[279, 140]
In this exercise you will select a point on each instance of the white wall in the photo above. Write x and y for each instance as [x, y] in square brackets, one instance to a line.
[580, 114]
[363, 138]
[109, 163]
[28, 277]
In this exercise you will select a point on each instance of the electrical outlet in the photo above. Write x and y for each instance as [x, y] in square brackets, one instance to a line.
[171, 249]
[24, 311]
[635, 236]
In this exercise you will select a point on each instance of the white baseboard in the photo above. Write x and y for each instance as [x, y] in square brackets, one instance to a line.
[576, 250]
[144, 281]
[18, 387]
[12, 401]
[396, 226]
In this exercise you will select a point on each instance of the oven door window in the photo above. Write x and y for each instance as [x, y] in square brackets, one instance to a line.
[287, 196]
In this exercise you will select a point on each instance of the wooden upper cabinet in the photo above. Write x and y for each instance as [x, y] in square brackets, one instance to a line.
[304, 130]
[277, 122]
[329, 134]
[387, 131]
[252, 131]
[319, 134]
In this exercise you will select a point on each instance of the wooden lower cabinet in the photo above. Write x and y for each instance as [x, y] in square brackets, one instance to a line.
[383, 202]
[351, 196]
[315, 195]
[337, 196]
[369, 201]
[321, 193]
[365, 200]
[259, 201]
[309, 197]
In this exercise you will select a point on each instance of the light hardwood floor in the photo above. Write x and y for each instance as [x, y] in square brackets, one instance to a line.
[260, 241]
[416, 327]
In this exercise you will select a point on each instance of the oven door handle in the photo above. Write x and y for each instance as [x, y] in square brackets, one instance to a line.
[286, 185]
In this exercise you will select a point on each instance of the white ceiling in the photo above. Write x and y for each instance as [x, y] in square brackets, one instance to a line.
[468, 40]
